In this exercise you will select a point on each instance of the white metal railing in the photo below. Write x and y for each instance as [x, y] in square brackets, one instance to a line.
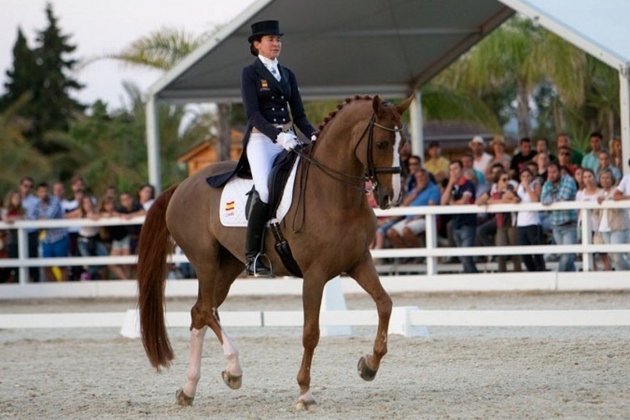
[431, 252]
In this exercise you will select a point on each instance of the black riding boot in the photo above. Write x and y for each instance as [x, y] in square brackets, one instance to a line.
[254, 251]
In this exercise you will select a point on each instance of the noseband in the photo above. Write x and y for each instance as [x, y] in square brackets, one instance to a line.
[371, 171]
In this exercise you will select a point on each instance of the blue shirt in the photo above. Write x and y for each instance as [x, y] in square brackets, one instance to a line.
[47, 211]
[430, 193]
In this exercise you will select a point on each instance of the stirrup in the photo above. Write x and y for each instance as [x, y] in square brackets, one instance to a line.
[257, 268]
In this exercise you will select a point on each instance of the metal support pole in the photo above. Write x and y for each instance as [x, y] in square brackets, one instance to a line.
[624, 112]
[417, 140]
[431, 243]
[22, 238]
[153, 144]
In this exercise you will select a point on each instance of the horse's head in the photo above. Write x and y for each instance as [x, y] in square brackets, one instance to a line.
[380, 150]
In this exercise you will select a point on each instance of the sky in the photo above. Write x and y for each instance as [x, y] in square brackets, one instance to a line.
[101, 27]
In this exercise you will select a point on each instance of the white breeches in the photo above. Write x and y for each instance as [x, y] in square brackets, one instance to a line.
[261, 152]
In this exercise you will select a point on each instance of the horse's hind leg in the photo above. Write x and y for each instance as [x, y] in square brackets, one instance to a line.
[214, 283]
[365, 274]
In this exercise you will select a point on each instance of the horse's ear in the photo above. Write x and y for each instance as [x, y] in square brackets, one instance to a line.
[405, 104]
[377, 105]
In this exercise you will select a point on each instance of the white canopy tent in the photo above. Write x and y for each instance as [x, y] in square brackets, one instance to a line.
[339, 48]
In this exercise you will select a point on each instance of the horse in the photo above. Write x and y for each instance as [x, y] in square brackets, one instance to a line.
[329, 226]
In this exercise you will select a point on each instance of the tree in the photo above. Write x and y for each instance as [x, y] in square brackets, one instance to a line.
[19, 79]
[52, 85]
[18, 157]
[519, 57]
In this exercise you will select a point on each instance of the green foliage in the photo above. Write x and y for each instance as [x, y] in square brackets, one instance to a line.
[18, 157]
[160, 50]
[43, 73]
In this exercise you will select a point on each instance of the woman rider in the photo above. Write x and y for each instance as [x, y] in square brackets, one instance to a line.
[272, 105]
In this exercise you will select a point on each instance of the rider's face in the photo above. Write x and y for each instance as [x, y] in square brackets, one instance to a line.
[269, 46]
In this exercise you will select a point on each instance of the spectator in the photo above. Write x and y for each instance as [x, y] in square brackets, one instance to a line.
[542, 164]
[117, 236]
[591, 193]
[459, 191]
[68, 207]
[591, 160]
[111, 192]
[404, 234]
[53, 241]
[29, 202]
[577, 178]
[520, 159]
[528, 223]
[614, 224]
[405, 154]
[499, 155]
[487, 222]
[128, 209]
[622, 191]
[559, 188]
[409, 193]
[564, 159]
[616, 157]
[606, 164]
[146, 196]
[481, 183]
[481, 158]
[542, 146]
[414, 164]
[436, 164]
[503, 191]
[89, 240]
[563, 140]
[11, 212]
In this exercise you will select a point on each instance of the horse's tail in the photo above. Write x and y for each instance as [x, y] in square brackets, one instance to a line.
[153, 246]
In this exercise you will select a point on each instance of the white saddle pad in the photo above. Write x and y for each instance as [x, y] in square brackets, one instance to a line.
[234, 198]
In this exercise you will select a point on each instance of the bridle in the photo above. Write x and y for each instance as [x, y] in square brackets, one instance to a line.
[370, 172]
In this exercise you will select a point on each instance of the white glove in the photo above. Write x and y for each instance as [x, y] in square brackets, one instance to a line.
[287, 140]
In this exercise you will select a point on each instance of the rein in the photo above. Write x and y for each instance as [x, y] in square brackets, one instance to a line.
[371, 170]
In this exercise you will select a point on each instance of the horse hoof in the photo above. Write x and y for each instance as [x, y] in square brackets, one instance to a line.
[183, 399]
[305, 405]
[233, 381]
[365, 372]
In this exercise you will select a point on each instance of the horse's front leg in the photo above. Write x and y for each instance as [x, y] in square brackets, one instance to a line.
[312, 291]
[365, 274]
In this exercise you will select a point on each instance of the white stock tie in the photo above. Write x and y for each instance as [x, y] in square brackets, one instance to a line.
[275, 72]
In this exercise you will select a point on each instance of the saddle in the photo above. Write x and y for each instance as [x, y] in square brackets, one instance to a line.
[279, 176]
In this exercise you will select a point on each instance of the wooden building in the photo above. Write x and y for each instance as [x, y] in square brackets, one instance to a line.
[205, 153]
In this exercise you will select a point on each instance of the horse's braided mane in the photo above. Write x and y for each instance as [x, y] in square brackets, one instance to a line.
[332, 114]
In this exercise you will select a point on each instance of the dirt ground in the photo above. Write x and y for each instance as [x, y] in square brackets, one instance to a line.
[456, 372]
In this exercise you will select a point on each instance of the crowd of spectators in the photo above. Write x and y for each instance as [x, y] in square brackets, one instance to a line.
[31, 201]
[487, 175]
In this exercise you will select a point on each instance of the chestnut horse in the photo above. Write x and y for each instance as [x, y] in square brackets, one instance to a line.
[329, 227]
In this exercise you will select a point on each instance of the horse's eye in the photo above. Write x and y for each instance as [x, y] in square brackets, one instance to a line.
[382, 145]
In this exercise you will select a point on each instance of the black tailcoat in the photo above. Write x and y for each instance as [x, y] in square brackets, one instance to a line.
[268, 102]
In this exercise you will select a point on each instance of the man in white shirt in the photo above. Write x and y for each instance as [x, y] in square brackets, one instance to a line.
[481, 158]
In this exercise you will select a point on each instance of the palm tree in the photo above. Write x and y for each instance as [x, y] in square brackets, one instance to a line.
[162, 50]
[521, 55]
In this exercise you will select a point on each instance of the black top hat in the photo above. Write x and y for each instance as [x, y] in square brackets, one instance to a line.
[265, 27]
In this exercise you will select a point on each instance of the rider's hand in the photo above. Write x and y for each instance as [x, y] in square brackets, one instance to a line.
[287, 140]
